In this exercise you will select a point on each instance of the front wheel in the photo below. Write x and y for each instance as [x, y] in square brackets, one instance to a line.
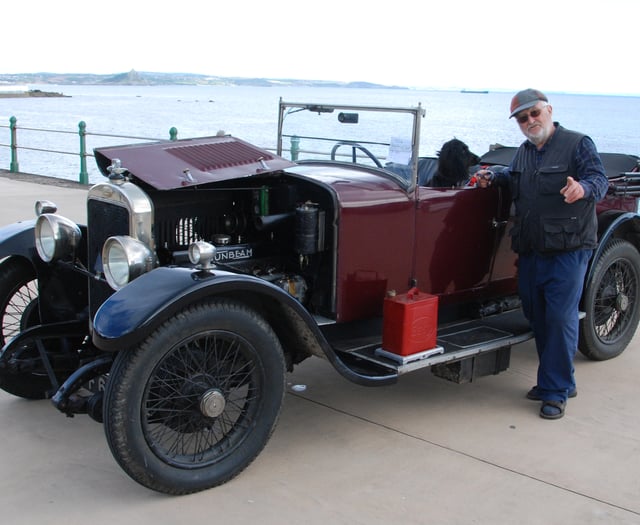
[197, 401]
[22, 372]
[18, 299]
[612, 302]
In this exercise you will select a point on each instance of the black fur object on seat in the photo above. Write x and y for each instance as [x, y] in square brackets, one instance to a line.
[454, 161]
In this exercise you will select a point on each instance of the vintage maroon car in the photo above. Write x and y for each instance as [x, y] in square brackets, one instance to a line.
[209, 267]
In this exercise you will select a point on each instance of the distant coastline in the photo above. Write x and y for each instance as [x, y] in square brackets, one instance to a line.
[30, 93]
[139, 78]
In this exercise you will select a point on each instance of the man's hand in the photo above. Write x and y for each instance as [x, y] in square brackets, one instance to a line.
[484, 178]
[573, 191]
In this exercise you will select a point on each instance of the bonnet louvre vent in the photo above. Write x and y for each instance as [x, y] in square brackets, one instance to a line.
[210, 157]
[169, 165]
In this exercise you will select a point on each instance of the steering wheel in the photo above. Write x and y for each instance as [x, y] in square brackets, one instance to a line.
[355, 146]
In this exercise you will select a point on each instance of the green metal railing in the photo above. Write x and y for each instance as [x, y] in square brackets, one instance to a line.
[82, 153]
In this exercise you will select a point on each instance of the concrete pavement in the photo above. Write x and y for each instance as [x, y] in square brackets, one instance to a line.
[424, 451]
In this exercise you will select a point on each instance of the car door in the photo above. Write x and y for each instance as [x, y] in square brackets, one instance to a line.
[461, 246]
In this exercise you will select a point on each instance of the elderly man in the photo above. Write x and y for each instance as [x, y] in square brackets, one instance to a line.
[556, 178]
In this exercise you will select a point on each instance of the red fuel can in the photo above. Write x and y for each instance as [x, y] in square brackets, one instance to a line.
[410, 322]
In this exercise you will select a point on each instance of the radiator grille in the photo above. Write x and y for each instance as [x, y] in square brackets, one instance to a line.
[103, 220]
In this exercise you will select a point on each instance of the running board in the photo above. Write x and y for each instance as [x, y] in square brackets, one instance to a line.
[455, 342]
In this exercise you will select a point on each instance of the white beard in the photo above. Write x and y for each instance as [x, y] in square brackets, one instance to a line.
[539, 137]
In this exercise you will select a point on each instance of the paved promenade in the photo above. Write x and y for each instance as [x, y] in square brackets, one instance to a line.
[424, 451]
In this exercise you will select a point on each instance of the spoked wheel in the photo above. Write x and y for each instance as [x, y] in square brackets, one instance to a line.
[18, 299]
[612, 302]
[198, 400]
[22, 373]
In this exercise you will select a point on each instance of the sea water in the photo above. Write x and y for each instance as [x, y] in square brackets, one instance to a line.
[251, 113]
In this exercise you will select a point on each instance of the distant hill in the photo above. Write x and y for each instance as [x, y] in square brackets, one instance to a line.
[138, 78]
[27, 93]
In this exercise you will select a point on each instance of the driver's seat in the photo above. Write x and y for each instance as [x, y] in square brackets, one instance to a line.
[427, 167]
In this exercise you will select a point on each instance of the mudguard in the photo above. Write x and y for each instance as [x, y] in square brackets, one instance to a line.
[625, 226]
[134, 311]
[128, 316]
[18, 239]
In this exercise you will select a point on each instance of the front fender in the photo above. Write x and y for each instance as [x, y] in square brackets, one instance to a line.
[130, 314]
[18, 239]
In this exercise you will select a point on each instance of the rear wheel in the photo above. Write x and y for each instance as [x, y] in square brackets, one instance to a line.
[612, 302]
[22, 373]
[197, 401]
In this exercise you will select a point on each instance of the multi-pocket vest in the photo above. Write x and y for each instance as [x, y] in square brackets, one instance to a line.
[544, 222]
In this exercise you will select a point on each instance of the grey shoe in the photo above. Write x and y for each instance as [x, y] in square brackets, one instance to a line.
[552, 409]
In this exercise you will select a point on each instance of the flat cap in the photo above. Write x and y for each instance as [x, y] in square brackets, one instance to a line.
[525, 99]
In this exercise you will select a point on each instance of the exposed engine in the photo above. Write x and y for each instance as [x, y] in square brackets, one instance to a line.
[273, 227]
[256, 258]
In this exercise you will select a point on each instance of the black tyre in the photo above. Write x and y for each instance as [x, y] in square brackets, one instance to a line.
[18, 298]
[22, 373]
[193, 405]
[612, 302]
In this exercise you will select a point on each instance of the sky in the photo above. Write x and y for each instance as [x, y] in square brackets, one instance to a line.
[574, 46]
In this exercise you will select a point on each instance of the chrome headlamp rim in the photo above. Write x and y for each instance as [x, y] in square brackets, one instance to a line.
[56, 237]
[44, 206]
[125, 259]
[202, 254]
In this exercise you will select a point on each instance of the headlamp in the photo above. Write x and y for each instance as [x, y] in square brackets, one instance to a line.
[56, 237]
[123, 259]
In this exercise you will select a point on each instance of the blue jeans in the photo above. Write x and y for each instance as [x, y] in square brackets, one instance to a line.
[550, 288]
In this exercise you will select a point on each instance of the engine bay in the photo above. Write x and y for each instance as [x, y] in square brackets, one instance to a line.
[274, 227]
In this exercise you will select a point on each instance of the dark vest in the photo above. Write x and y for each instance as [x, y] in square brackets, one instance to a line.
[544, 223]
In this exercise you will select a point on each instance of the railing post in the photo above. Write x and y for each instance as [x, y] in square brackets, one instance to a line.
[173, 134]
[295, 148]
[13, 167]
[82, 131]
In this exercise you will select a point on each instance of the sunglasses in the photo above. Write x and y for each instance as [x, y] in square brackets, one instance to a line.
[534, 113]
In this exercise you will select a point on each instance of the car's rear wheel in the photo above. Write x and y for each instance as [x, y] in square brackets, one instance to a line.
[612, 302]
[22, 372]
[197, 401]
